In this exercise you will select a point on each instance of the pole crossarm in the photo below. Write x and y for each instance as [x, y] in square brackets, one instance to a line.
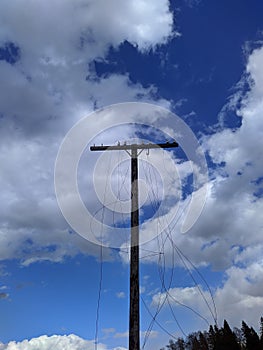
[141, 146]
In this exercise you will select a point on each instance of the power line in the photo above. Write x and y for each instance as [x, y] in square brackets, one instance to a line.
[164, 237]
[134, 150]
[101, 266]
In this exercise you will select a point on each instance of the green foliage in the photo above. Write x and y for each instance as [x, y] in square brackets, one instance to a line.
[223, 338]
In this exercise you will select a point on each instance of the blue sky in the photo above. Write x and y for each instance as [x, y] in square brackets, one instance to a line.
[61, 61]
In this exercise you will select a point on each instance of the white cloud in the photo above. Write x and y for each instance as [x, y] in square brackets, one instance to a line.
[46, 91]
[120, 295]
[108, 331]
[55, 27]
[58, 342]
[228, 234]
[239, 298]
[57, 41]
[121, 335]
[233, 202]
[189, 297]
[230, 227]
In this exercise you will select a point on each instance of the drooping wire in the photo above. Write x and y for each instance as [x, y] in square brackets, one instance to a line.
[213, 312]
[162, 274]
[101, 262]
[183, 259]
[120, 186]
[151, 179]
[99, 297]
[155, 320]
[164, 237]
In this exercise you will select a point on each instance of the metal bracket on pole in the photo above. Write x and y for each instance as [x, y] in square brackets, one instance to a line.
[141, 146]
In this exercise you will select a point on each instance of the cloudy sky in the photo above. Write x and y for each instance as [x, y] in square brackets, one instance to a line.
[198, 64]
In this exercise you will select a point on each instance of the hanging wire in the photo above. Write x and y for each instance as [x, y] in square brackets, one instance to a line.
[183, 258]
[151, 179]
[101, 261]
[120, 187]
[163, 238]
[99, 297]
[156, 321]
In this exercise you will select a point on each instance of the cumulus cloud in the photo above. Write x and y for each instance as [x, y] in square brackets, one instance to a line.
[89, 23]
[57, 42]
[230, 226]
[59, 342]
[241, 295]
[228, 234]
[47, 85]
[238, 156]
[191, 297]
[239, 298]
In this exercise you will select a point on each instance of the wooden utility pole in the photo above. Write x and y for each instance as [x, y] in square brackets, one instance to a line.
[134, 311]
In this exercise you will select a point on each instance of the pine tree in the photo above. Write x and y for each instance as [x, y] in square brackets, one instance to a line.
[203, 341]
[224, 338]
[195, 344]
[180, 344]
[239, 336]
[228, 338]
[211, 338]
[172, 345]
[252, 341]
[192, 342]
[218, 339]
[261, 332]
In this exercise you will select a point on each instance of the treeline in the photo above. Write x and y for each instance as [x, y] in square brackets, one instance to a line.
[223, 338]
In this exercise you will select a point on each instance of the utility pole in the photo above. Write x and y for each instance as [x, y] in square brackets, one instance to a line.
[134, 151]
